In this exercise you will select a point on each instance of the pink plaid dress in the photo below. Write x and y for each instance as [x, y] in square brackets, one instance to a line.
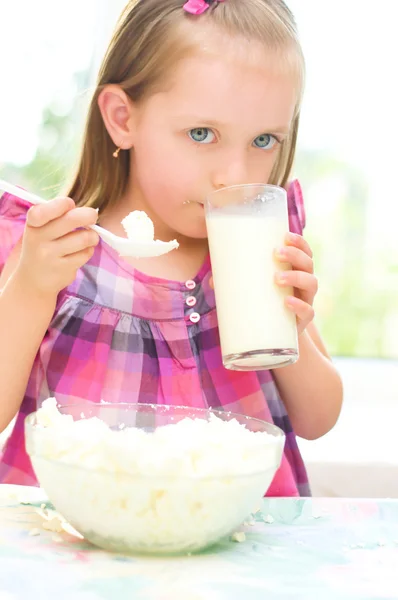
[118, 335]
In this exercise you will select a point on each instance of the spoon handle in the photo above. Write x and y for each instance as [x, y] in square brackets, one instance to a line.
[106, 235]
[20, 193]
[32, 198]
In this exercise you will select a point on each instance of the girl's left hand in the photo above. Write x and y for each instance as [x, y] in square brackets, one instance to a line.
[298, 254]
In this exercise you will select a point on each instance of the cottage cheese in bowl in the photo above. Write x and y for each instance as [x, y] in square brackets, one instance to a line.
[152, 478]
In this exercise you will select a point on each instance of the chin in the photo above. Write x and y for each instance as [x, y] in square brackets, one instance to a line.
[191, 228]
[195, 231]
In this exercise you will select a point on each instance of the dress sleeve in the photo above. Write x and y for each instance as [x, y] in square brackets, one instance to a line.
[295, 204]
[13, 213]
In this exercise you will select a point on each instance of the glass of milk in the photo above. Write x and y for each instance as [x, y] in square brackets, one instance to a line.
[245, 225]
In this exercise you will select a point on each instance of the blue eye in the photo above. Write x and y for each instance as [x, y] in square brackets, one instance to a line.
[266, 141]
[202, 135]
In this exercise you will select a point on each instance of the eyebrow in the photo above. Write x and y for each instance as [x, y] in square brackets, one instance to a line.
[283, 130]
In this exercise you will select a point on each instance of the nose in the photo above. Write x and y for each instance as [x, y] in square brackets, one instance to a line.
[233, 169]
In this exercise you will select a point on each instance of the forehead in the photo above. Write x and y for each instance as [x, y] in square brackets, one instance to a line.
[244, 82]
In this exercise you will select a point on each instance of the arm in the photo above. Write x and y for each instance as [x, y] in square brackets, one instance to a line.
[24, 318]
[311, 388]
[55, 245]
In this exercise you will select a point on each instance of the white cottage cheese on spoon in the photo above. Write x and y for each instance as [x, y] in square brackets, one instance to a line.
[139, 227]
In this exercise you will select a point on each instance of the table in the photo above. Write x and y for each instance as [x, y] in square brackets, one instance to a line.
[312, 549]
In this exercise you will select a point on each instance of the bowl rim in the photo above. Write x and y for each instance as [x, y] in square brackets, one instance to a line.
[271, 428]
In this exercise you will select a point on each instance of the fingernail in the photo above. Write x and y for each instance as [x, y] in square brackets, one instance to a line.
[281, 277]
[281, 252]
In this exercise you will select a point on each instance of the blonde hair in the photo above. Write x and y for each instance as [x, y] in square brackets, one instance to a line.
[148, 40]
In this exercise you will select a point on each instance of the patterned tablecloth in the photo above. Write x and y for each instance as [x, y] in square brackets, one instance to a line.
[312, 549]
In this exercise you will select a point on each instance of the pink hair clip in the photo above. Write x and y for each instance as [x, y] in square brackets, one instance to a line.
[197, 7]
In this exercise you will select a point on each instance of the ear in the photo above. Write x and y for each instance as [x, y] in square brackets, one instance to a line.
[117, 113]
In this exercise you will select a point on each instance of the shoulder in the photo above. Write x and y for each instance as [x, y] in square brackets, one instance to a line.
[12, 207]
[296, 209]
[13, 213]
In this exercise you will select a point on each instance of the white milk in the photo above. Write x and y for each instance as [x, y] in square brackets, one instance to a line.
[250, 306]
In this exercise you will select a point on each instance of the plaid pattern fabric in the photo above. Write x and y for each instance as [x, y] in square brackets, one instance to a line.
[118, 335]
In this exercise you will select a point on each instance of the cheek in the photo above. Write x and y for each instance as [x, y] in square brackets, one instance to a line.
[262, 167]
[166, 176]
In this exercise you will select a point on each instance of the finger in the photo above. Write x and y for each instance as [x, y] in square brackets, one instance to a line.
[303, 311]
[78, 259]
[74, 219]
[211, 283]
[40, 215]
[305, 283]
[76, 242]
[296, 257]
[294, 239]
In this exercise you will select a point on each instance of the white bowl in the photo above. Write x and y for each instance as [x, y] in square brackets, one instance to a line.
[147, 513]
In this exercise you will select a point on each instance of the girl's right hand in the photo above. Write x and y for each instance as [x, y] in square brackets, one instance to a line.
[55, 245]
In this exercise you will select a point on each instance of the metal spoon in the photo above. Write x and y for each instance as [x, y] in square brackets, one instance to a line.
[124, 246]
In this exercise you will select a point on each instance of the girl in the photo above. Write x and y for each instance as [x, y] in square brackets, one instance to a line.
[191, 98]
